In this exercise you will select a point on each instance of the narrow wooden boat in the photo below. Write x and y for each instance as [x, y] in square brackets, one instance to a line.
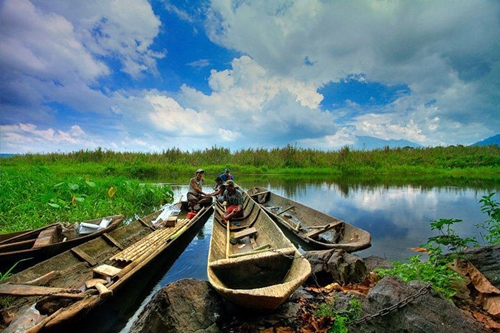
[318, 230]
[27, 248]
[252, 264]
[67, 286]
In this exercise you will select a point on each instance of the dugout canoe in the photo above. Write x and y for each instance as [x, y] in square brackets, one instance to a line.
[27, 248]
[69, 285]
[316, 229]
[252, 264]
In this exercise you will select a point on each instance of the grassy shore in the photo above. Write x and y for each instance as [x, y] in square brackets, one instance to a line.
[38, 189]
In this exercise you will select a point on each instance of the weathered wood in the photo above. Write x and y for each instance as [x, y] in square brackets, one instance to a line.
[46, 237]
[286, 210]
[27, 290]
[106, 270]
[42, 279]
[244, 233]
[113, 241]
[17, 245]
[319, 231]
[487, 260]
[84, 256]
[92, 282]
[103, 291]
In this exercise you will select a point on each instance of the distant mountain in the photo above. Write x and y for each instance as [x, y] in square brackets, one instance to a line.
[371, 143]
[492, 140]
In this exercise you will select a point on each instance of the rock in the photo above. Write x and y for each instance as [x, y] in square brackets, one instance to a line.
[373, 262]
[186, 305]
[487, 260]
[343, 267]
[427, 313]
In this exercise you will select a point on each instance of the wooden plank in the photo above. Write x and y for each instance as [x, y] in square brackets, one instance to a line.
[246, 232]
[319, 231]
[42, 279]
[46, 237]
[145, 223]
[92, 282]
[284, 210]
[103, 291]
[84, 256]
[106, 270]
[27, 290]
[253, 242]
[112, 240]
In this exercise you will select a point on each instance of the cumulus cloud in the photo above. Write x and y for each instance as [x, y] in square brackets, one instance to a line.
[443, 51]
[62, 63]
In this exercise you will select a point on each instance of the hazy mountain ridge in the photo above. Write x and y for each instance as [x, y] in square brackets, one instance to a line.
[492, 140]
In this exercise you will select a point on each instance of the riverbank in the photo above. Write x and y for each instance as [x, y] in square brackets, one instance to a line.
[326, 305]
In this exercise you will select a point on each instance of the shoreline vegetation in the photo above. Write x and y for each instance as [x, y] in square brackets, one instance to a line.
[38, 189]
[481, 162]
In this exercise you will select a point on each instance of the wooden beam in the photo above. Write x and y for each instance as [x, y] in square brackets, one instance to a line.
[84, 256]
[26, 290]
[246, 232]
[112, 240]
[285, 210]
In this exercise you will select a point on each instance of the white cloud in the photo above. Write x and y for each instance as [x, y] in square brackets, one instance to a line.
[445, 51]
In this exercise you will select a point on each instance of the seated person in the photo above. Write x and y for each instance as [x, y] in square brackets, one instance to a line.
[219, 189]
[195, 196]
[233, 200]
[226, 175]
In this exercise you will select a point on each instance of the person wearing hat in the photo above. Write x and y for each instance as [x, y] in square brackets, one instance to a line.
[195, 196]
[233, 200]
[226, 175]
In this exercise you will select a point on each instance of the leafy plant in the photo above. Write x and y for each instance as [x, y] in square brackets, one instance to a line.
[443, 279]
[492, 208]
[448, 238]
[342, 317]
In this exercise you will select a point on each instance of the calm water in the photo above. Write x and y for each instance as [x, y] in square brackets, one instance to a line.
[396, 216]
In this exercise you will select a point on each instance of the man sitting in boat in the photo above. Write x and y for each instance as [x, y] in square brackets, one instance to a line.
[233, 200]
[226, 175]
[195, 196]
[219, 189]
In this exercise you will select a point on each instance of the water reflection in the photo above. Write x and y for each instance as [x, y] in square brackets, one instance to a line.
[396, 214]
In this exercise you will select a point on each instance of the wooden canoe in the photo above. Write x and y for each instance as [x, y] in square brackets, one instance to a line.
[253, 264]
[318, 230]
[67, 286]
[33, 246]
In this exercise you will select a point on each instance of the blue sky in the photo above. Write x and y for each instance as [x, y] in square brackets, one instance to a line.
[136, 75]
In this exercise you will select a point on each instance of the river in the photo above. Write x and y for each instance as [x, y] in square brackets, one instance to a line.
[397, 216]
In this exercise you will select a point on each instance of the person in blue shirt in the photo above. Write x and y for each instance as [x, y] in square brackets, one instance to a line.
[226, 175]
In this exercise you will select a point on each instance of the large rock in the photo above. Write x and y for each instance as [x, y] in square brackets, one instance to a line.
[187, 305]
[427, 313]
[343, 267]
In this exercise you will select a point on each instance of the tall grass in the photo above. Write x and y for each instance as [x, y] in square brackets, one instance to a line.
[37, 197]
[454, 160]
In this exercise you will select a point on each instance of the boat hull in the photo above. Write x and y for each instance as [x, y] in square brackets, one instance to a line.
[258, 274]
[25, 248]
[117, 257]
[314, 229]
